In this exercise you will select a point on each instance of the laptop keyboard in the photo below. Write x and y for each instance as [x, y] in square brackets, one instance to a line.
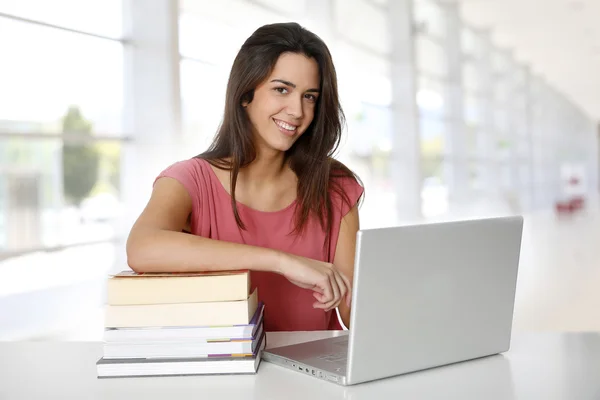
[335, 357]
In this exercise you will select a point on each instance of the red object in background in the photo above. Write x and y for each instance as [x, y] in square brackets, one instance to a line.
[563, 207]
[572, 205]
[577, 202]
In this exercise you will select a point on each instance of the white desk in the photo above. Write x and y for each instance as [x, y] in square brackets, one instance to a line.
[539, 366]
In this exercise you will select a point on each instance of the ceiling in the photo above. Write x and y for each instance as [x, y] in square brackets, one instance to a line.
[559, 39]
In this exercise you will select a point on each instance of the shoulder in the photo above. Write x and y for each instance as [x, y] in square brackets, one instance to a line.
[192, 173]
[190, 167]
[345, 187]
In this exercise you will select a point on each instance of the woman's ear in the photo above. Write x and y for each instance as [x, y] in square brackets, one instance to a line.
[247, 98]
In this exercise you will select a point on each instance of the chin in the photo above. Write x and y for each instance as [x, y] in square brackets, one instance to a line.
[283, 147]
[282, 143]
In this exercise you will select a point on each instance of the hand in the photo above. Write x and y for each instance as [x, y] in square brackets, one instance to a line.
[330, 286]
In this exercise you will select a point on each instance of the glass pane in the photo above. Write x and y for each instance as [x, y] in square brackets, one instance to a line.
[474, 110]
[501, 121]
[295, 8]
[99, 17]
[477, 174]
[523, 148]
[431, 57]
[473, 78]
[369, 130]
[195, 33]
[238, 14]
[434, 189]
[525, 175]
[362, 77]
[432, 138]
[521, 77]
[506, 181]
[44, 71]
[500, 62]
[473, 141]
[472, 43]
[430, 98]
[373, 29]
[367, 151]
[53, 195]
[502, 92]
[430, 18]
[504, 148]
[203, 100]
[351, 58]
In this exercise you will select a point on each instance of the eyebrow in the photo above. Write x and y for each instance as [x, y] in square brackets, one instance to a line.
[288, 83]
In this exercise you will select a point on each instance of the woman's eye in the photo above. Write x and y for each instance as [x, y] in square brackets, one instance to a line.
[310, 97]
[281, 90]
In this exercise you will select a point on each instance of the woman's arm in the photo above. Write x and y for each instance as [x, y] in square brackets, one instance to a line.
[344, 255]
[156, 242]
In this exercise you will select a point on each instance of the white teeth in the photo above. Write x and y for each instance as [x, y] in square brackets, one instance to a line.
[285, 126]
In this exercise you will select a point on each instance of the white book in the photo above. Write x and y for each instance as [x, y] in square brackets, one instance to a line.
[180, 334]
[202, 349]
[183, 366]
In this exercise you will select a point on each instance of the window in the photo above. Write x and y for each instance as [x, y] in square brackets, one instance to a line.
[103, 18]
[203, 100]
[58, 193]
[432, 138]
[373, 30]
[44, 71]
[431, 98]
[473, 44]
[431, 57]
[61, 129]
[430, 18]
[473, 78]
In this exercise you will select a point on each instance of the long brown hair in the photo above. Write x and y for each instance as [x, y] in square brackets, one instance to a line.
[311, 155]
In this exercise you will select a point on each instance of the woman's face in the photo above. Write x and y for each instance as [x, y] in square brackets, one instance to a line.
[284, 104]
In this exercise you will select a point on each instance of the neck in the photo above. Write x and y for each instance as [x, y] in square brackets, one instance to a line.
[266, 167]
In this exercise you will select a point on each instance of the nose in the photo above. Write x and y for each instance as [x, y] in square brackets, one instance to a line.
[294, 107]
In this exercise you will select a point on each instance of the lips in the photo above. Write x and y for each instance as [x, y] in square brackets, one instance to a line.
[285, 127]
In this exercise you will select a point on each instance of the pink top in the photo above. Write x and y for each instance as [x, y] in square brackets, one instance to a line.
[287, 306]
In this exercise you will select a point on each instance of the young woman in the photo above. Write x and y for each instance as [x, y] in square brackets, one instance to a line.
[267, 195]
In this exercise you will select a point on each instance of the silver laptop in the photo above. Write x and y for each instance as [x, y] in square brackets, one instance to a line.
[424, 296]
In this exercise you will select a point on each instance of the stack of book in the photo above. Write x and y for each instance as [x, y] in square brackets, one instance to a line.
[181, 324]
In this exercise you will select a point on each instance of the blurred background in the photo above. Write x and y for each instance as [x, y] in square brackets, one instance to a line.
[455, 109]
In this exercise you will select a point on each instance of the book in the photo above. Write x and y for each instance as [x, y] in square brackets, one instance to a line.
[199, 349]
[132, 288]
[238, 312]
[148, 367]
[185, 334]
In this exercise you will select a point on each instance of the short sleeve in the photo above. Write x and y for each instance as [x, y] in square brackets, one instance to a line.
[187, 173]
[353, 192]
[342, 204]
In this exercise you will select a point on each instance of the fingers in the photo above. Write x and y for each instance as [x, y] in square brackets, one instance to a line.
[342, 290]
[319, 301]
[330, 291]
[331, 282]
[318, 289]
[349, 291]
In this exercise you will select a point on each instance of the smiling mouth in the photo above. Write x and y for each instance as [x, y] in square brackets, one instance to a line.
[285, 127]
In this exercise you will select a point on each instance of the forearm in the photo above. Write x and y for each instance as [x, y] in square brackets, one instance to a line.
[168, 251]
